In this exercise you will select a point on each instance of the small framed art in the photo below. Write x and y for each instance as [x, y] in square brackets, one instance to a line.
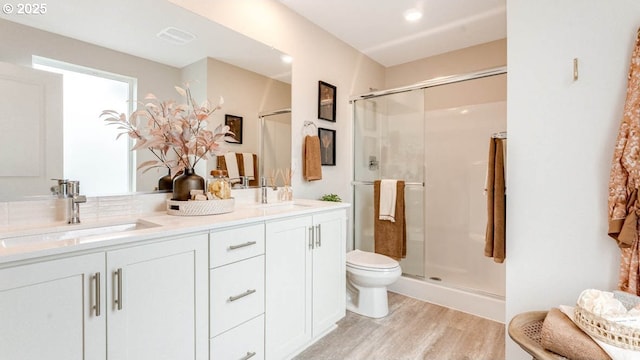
[235, 126]
[327, 146]
[326, 101]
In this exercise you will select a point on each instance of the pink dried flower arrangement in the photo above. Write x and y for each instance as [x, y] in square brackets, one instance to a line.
[166, 128]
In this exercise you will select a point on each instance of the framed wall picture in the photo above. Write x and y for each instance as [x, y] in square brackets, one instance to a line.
[327, 146]
[235, 126]
[326, 101]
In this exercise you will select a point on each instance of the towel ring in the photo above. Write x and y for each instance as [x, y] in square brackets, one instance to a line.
[308, 124]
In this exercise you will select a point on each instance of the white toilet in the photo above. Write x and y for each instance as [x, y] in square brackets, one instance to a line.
[368, 275]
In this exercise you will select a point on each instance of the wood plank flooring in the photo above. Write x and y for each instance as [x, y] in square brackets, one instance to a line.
[413, 330]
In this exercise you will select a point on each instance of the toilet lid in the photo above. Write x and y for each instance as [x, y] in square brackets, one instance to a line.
[370, 260]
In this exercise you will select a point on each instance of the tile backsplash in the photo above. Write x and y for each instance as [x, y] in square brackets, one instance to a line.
[53, 210]
[50, 210]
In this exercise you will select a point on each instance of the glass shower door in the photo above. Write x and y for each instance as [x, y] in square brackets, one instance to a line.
[389, 144]
[459, 121]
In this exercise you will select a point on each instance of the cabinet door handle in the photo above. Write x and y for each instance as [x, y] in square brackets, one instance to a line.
[236, 297]
[311, 237]
[118, 299]
[248, 356]
[96, 278]
[319, 236]
[248, 243]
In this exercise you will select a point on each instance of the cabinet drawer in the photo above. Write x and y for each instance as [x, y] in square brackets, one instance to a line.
[235, 244]
[243, 342]
[236, 293]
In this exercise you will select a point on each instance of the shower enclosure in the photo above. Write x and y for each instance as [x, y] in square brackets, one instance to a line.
[435, 137]
[275, 143]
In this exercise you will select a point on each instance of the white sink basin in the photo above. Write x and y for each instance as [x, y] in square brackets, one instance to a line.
[280, 205]
[73, 232]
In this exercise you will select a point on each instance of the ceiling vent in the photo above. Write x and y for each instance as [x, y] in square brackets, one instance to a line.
[176, 36]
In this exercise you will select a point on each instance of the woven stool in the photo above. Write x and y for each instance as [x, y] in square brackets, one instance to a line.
[525, 329]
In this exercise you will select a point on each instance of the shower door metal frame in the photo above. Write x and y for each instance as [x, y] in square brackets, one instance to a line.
[438, 81]
[442, 80]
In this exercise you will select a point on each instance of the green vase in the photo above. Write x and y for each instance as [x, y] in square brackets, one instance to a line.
[183, 184]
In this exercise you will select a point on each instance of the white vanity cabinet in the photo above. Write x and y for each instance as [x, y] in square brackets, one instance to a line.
[305, 280]
[260, 283]
[157, 300]
[152, 299]
[47, 310]
[236, 292]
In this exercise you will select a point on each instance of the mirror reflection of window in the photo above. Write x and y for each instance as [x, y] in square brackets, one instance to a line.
[108, 168]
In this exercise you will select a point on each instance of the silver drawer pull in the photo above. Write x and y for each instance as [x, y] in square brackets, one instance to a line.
[118, 298]
[249, 243]
[319, 236]
[96, 277]
[248, 356]
[246, 293]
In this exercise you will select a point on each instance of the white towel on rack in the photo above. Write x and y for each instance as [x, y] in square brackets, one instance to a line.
[388, 196]
[232, 167]
[247, 160]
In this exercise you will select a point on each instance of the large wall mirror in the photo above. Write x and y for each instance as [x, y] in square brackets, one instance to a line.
[152, 45]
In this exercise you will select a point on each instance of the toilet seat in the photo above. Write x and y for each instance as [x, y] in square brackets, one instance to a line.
[365, 260]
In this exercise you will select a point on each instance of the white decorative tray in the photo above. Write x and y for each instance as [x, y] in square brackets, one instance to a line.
[204, 207]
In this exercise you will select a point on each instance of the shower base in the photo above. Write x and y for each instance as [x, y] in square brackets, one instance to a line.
[484, 305]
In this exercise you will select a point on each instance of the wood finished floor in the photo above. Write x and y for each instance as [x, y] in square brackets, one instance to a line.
[413, 330]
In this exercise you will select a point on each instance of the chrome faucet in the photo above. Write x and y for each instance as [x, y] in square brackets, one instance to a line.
[70, 189]
[75, 199]
[61, 190]
[263, 189]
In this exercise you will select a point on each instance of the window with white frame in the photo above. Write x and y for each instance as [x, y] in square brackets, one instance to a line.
[103, 164]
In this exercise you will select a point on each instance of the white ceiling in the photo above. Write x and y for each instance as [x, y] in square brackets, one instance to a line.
[374, 27]
[377, 27]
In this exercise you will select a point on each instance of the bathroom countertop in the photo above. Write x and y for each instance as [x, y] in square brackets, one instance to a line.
[23, 244]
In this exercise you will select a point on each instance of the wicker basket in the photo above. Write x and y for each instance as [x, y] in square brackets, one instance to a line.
[196, 208]
[610, 332]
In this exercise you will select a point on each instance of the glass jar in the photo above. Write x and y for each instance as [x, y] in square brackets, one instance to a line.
[285, 193]
[219, 185]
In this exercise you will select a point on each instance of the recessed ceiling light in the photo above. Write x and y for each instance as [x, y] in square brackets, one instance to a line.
[176, 36]
[412, 15]
[287, 59]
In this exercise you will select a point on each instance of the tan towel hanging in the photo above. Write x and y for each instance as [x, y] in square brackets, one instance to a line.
[312, 169]
[495, 239]
[390, 237]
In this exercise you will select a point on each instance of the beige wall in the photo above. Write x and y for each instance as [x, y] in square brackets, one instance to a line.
[245, 94]
[479, 57]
